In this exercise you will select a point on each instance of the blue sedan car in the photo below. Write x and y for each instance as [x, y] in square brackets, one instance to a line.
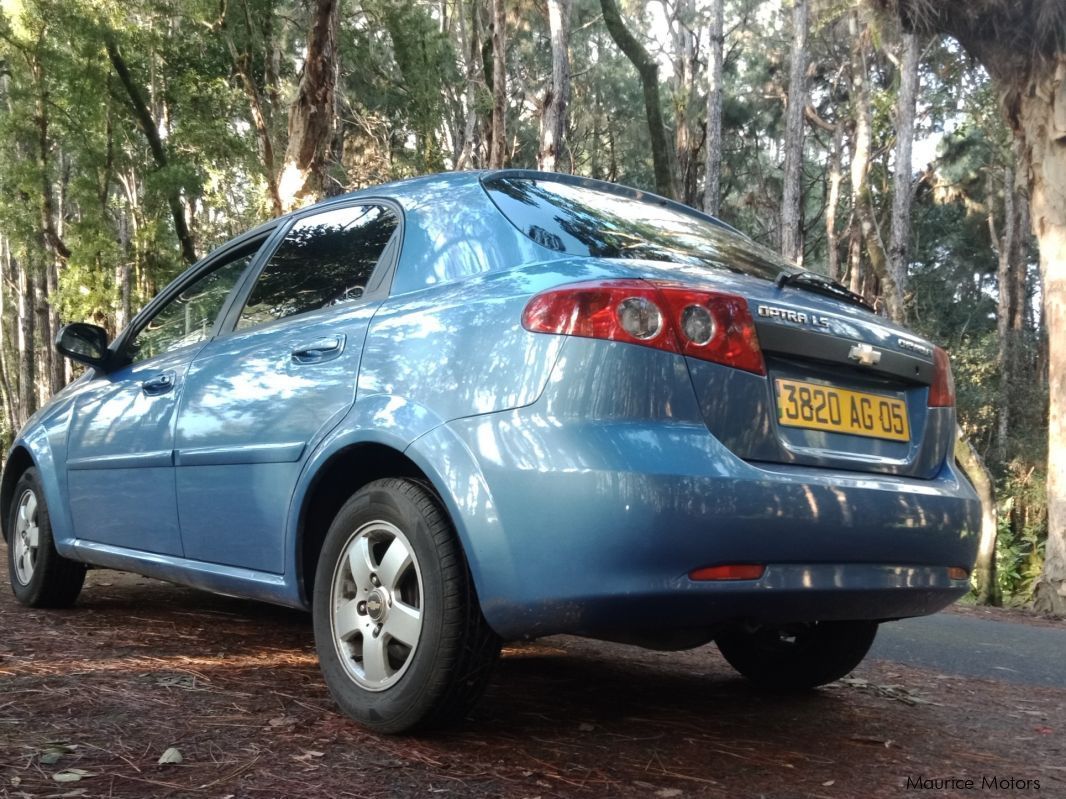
[478, 407]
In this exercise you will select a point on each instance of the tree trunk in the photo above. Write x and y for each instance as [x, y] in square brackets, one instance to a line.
[686, 143]
[861, 201]
[860, 149]
[856, 272]
[148, 126]
[10, 398]
[123, 271]
[48, 216]
[902, 185]
[470, 154]
[648, 70]
[1003, 247]
[42, 350]
[985, 569]
[552, 149]
[713, 164]
[792, 193]
[1041, 119]
[498, 130]
[27, 362]
[836, 177]
[312, 112]
[242, 63]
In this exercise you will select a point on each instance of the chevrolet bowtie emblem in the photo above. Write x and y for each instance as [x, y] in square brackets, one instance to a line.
[864, 354]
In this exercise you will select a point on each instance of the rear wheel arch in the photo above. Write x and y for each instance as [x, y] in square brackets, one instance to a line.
[335, 481]
[19, 460]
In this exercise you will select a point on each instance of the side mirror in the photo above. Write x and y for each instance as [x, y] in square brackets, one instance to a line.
[84, 343]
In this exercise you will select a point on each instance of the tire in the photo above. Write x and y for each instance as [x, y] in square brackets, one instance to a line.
[400, 636]
[797, 657]
[40, 576]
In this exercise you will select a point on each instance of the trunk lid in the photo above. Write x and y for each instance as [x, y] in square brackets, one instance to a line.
[844, 389]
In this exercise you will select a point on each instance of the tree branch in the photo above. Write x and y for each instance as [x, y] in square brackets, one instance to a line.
[155, 143]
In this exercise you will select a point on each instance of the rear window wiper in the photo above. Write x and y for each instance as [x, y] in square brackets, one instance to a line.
[820, 284]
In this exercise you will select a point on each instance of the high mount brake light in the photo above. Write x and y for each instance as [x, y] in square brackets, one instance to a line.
[942, 392]
[709, 325]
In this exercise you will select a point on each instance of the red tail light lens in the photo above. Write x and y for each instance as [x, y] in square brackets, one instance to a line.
[709, 325]
[599, 309]
[942, 392]
[730, 337]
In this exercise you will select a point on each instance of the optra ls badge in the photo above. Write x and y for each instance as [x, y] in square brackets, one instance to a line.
[791, 315]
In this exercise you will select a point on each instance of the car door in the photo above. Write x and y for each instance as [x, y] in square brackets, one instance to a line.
[120, 476]
[258, 398]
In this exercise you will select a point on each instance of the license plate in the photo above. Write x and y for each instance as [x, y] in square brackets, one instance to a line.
[840, 410]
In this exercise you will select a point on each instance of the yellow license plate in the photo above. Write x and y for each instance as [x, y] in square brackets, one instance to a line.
[840, 410]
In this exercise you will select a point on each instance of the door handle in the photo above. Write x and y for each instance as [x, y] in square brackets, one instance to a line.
[322, 349]
[160, 384]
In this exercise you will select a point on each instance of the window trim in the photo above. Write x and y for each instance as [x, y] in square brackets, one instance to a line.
[378, 288]
[263, 235]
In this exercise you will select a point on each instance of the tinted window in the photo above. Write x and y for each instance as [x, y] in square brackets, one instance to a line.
[582, 220]
[326, 259]
[189, 317]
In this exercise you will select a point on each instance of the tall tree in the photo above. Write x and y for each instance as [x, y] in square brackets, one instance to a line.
[865, 229]
[498, 131]
[687, 142]
[713, 163]
[1022, 44]
[792, 191]
[552, 150]
[259, 104]
[902, 185]
[150, 128]
[312, 112]
[648, 70]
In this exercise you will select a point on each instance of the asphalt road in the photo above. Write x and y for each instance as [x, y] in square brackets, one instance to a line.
[997, 650]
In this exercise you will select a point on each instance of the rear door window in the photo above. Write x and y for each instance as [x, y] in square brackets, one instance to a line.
[326, 259]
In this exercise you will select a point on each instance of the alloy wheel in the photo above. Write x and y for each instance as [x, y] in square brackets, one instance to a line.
[377, 605]
[26, 539]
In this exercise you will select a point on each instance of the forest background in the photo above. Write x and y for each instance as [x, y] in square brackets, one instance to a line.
[913, 149]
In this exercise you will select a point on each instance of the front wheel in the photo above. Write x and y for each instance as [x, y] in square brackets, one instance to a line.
[400, 636]
[797, 656]
[40, 576]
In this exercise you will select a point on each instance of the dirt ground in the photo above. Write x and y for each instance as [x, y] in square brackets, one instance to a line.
[90, 699]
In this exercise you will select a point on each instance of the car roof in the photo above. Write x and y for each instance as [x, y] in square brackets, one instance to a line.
[408, 192]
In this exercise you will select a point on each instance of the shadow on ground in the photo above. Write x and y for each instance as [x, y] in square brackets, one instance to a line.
[139, 666]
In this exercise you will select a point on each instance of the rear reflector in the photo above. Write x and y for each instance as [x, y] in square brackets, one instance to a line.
[957, 573]
[942, 392]
[731, 571]
[709, 325]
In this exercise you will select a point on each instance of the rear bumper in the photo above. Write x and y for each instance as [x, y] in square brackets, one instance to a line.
[594, 528]
[787, 593]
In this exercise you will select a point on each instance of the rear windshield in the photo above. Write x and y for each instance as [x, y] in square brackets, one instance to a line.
[582, 220]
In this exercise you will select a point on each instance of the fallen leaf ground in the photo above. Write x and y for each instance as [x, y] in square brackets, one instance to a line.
[95, 695]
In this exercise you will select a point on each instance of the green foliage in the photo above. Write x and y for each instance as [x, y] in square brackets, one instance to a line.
[1022, 535]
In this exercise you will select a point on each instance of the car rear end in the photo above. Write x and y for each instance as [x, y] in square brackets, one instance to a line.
[722, 439]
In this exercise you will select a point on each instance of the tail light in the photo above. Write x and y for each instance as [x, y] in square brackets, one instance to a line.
[942, 392]
[709, 325]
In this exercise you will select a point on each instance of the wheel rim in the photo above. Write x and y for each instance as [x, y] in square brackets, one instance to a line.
[27, 537]
[376, 605]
